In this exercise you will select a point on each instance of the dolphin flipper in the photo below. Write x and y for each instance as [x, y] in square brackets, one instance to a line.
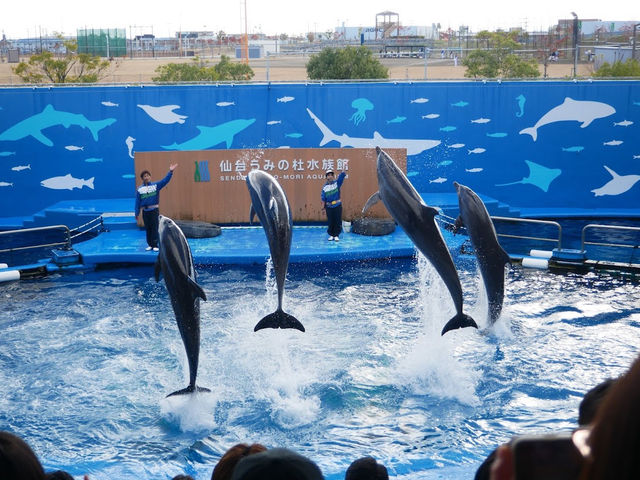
[189, 389]
[197, 289]
[373, 199]
[279, 319]
[461, 320]
[158, 269]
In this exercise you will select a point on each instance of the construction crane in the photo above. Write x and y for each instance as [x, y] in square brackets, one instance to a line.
[245, 38]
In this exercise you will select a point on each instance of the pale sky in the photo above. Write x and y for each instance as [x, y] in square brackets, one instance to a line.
[164, 18]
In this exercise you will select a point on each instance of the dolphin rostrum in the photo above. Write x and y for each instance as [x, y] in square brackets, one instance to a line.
[418, 222]
[176, 264]
[269, 202]
[491, 256]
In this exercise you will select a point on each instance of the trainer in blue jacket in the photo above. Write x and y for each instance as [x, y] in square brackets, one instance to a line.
[332, 204]
[148, 200]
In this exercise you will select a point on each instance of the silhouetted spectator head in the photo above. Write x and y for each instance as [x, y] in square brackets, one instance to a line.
[614, 438]
[58, 475]
[17, 460]
[276, 464]
[180, 476]
[591, 401]
[366, 468]
[224, 468]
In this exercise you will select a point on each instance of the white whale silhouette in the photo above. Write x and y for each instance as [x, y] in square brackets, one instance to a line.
[163, 114]
[571, 110]
[617, 185]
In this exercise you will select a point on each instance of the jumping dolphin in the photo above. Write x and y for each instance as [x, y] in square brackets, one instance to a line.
[491, 256]
[418, 221]
[269, 202]
[176, 264]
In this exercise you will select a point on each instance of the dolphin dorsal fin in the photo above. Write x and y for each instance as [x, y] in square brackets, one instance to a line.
[196, 289]
[373, 199]
[613, 174]
[429, 211]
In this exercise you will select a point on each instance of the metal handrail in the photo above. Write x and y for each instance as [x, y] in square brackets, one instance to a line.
[608, 227]
[530, 220]
[99, 224]
[66, 243]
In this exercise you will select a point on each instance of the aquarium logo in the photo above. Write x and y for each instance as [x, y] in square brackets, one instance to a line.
[202, 171]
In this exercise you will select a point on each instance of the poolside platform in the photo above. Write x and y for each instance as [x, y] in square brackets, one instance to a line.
[121, 241]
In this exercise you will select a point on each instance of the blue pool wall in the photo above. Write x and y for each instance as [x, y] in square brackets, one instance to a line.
[56, 143]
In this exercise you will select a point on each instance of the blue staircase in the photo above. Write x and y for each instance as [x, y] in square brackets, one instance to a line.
[448, 204]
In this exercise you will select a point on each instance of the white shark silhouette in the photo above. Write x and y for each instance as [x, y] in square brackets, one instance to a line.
[617, 185]
[584, 111]
[163, 114]
[413, 146]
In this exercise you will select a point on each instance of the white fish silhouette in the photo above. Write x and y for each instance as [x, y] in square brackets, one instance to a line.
[635, 157]
[129, 141]
[73, 148]
[431, 116]
[474, 170]
[481, 120]
[18, 168]
[274, 122]
[6, 184]
[109, 104]
[456, 145]
[163, 114]
[438, 180]
[624, 123]
[285, 99]
[67, 182]
[613, 143]
[477, 150]
[225, 104]
[420, 100]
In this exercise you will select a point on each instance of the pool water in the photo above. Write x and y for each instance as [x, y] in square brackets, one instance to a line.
[87, 358]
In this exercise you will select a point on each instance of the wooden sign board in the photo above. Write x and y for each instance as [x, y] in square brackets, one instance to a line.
[210, 185]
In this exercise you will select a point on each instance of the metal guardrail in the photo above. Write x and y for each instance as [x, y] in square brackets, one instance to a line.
[69, 235]
[593, 226]
[66, 243]
[558, 240]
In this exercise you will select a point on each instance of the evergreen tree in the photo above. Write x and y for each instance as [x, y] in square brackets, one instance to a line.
[355, 63]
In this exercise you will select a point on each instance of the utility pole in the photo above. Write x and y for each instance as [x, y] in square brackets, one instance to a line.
[633, 50]
[575, 44]
[245, 38]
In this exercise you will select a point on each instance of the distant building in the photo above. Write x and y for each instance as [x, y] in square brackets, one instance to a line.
[611, 54]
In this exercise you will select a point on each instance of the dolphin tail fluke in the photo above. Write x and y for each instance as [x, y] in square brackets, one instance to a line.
[188, 390]
[279, 319]
[95, 127]
[461, 320]
[530, 131]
